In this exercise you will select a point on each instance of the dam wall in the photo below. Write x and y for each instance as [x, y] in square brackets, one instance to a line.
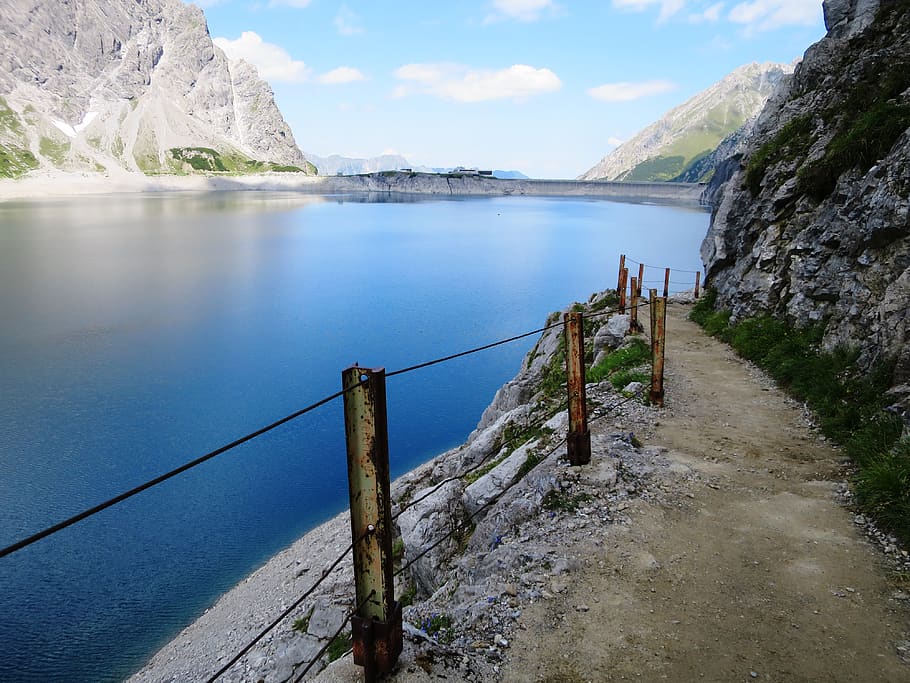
[474, 185]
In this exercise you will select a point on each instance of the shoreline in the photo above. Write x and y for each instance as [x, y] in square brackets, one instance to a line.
[44, 184]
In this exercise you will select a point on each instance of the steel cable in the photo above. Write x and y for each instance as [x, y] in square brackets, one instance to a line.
[329, 643]
[164, 477]
[473, 468]
[677, 270]
[285, 613]
[427, 364]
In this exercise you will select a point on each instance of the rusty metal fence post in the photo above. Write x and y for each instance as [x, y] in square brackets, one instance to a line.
[641, 276]
[666, 282]
[619, 283]
[658, 344]
[376, 628]
[623, 278]
[697, 280]
[633, 306]
[578, 441]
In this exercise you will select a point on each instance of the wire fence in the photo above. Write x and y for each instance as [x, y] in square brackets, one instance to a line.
[461, 528]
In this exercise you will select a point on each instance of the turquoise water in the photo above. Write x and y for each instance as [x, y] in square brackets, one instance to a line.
[141, 332]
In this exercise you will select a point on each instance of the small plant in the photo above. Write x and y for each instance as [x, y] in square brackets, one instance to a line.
[303, 623]
[883, 487]
[556, 501]
[792, 141]
[397, 549]
[339, 645]
[438, 626]
[634, 354]
[408, 595]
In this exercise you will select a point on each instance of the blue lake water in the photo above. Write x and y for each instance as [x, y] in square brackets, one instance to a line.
[139, 332]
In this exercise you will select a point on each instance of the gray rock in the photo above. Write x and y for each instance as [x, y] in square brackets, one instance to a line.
[300, 651]
[425, 523]
[632, 388]
[497, 480]
[843, 258]
[116, 84]
[610, 335]
[326, 620]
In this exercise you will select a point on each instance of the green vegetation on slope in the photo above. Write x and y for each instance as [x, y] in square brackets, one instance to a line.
[15, 158]
[53, 150]
[849, 402]
[692, 147]
[623, 365]
[207, 160]
[866, 116]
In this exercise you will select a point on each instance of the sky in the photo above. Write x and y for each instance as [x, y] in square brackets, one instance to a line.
[545, 87]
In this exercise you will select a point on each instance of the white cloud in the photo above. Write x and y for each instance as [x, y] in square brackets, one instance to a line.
[667, 7]
[289, 3]
[767, 15]
[343, 74]
[347, 22]
[271, 61]
[520, 10]
[462, 84]
[709, 15]
[615, 142]
[627, 92]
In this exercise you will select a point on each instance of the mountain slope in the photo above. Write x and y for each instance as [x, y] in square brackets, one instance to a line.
[124, 84]
[684, 136]
[812, 221]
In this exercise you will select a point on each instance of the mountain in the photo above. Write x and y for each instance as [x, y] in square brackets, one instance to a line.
[510, 175]
[339, 165]
[676, 144]
[811, 220]
[107, 85]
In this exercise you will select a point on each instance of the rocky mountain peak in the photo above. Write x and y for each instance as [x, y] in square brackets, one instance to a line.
[130, 84]
[668, 148]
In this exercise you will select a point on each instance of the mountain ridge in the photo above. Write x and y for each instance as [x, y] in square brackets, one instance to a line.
[668, 148]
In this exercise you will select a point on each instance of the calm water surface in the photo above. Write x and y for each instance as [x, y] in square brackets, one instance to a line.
[141, 332]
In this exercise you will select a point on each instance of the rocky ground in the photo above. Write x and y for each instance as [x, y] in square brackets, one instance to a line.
[708, 540]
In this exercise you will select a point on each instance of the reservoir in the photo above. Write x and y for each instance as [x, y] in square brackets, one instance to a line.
[140, 332]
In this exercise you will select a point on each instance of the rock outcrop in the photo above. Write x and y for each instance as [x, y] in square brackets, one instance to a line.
[676, 146]
[130, 84]
[812, 222]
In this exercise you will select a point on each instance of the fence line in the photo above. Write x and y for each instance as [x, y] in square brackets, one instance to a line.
[365, 379]
[678, 270]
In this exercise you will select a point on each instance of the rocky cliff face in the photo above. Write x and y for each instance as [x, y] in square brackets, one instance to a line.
[676, 146]
[134, 84]
[812, 222]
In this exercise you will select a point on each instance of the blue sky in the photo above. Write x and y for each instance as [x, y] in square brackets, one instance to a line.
[546, 87]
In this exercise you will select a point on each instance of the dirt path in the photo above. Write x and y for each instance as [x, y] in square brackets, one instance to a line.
[749, 570]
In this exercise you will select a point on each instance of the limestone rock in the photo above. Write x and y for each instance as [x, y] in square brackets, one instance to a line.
[113, 85]
[611, 335]
[794, 234]
[423, 524]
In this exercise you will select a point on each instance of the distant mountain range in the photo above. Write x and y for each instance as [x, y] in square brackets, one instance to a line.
[680, 146]
[339, 165]
[107, 85]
